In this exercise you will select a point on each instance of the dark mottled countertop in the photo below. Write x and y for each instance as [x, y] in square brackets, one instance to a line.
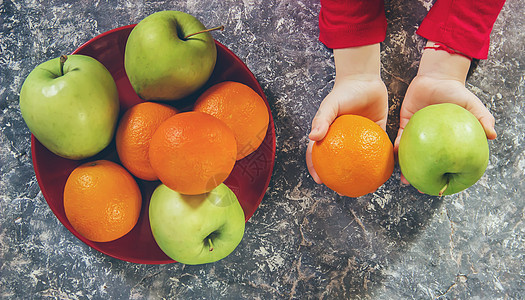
[304, 241]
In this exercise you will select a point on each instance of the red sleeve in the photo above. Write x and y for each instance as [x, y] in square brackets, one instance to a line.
[464, 25]
[351, 23]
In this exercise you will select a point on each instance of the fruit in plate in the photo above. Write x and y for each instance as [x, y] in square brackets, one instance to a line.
[355, 157]
[196, 229]
[443, 149]
[193, 152]
[71, 105]
[134, 132]
[102, 201]
[162, 63]
[241, 108]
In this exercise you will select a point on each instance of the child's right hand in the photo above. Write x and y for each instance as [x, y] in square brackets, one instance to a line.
[358, 90]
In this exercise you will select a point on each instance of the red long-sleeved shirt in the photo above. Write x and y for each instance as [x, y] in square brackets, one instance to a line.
[464, 25]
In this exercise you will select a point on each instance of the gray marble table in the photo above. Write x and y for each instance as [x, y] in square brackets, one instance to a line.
[304, 241]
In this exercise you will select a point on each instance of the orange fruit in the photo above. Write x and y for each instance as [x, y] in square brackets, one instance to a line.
[241, 108]
[193, 152]
[134, 132]
[355, 157]
[102, 201]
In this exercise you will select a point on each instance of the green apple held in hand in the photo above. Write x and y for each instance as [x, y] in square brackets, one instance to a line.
[169, 55]
[71, 105]
[196, 229]
[443, 149]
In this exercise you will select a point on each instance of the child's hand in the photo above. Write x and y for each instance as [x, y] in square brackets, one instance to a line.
[349, 96]
[441, 79]
[358, 89]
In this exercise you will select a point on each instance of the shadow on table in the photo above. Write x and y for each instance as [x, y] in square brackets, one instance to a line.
[346, 243]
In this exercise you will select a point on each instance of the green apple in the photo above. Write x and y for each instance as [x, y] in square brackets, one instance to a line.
[162, 63]
[443, 149]
[196, 229]
[71, 105]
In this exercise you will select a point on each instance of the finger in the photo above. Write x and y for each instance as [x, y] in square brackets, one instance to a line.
[478, 109]
[404, 116]
[404, 180]
[396, 148]
[382, 123]
[396, 143]
[486, 119]
[488, 125]
[310, 164]
[325, 115]
[402, 123]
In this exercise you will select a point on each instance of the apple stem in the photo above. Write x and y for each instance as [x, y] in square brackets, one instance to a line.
[443, 189]
[63, 59]
[205, 30]
[211, 244]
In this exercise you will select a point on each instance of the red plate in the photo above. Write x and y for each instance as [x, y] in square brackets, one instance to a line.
[248, 180]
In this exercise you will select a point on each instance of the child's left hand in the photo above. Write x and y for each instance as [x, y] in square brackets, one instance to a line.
[441, 79]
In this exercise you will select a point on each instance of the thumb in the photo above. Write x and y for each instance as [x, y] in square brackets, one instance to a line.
[487, 121]
[396, 149]
[396, 142]
[310, 164]
[478, 109]
[404, 117]
[324, 117]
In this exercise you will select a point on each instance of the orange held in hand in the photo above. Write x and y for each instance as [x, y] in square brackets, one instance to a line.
[135, 129]
[242, 109]
[102, 201]
[355, 157]
[193, 152]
